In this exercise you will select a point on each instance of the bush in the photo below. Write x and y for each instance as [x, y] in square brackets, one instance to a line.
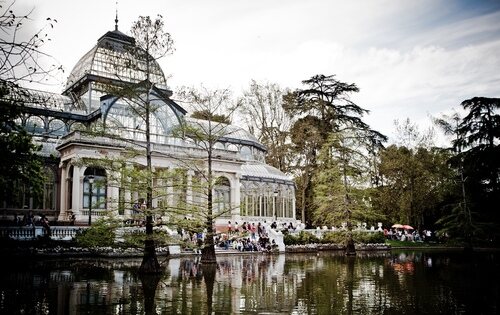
[137, 239]
[100, 234]
[369, 237]
[334, 237]
[337, 237]
[301, 239]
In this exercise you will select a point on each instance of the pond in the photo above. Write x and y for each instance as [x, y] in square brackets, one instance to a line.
[397, 282]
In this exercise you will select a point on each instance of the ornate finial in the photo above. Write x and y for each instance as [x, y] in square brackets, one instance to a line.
[116, 18]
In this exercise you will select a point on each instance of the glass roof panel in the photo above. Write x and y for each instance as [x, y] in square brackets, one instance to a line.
[115, 59]
[263, 171]
[40, 99]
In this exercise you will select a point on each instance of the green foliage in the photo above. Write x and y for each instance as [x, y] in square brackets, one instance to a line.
[102, 233]
[416, 183]
[19, 161]
[301, 239]
[339, 195]
[137, 239]
[206, 115]
[396, 243]
[478, 144]
[472, 215]
[329, 127]
[369, 238]
[334, 237]
[339, 237]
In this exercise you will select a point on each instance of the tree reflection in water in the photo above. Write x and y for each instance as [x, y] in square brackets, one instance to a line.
[149, 284]
[209, 271]
[324, 283]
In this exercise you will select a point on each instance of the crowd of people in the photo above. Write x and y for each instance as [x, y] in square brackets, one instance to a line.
[248, 236]
[411, 235]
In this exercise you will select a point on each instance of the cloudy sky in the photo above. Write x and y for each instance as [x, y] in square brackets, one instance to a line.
[409, 58]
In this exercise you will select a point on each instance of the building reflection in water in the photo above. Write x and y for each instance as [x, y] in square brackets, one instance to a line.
[323, 283]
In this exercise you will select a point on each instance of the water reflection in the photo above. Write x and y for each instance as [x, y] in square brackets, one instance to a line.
[327, 283]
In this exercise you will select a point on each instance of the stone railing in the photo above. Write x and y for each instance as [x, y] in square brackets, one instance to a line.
[66, 233]
[26, 233]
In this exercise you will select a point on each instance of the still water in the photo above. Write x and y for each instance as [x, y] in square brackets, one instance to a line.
[397, 282]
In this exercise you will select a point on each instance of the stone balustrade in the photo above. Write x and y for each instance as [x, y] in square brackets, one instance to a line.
[65, 233]
[26, 233]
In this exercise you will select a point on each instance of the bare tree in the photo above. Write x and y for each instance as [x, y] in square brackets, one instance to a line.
[205, 134]
[21, 56]
[263, 113]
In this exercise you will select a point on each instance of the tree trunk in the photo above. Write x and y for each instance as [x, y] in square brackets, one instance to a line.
[208, 250]
[149, 261]
[350, 249]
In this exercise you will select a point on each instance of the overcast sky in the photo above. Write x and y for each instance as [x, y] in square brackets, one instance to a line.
[409, 58]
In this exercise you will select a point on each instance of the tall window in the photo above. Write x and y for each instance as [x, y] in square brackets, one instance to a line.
[22, 196]
[49, 191]
[98, 188]
[222, 195]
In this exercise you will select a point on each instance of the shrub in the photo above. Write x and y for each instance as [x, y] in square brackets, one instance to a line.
[337, 237]
[137, 239]
[301, 239]
[369, 237]
[334, 237]
[101, 233]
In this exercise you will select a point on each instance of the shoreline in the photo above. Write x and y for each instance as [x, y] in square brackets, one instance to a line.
[163, 252]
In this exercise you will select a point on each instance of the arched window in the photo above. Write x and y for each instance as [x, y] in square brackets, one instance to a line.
[246, 153]
[57, 127]
[98, 188]
[232, 147]
[77, 126]
[222, 196]
[35, 124]
[219, 146]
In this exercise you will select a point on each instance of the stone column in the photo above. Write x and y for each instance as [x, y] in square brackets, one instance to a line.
[63, 193]
[77, 196]
[112, 193]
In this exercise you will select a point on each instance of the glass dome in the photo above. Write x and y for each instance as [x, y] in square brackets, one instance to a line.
[115, 56]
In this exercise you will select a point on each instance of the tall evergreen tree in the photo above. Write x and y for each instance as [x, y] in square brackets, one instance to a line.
[478, 144]
[327, 101]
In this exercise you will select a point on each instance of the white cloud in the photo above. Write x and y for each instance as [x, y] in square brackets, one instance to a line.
[410, 59]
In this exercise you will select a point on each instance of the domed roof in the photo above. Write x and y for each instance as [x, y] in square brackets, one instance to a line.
[116, 57]
[261, 171]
